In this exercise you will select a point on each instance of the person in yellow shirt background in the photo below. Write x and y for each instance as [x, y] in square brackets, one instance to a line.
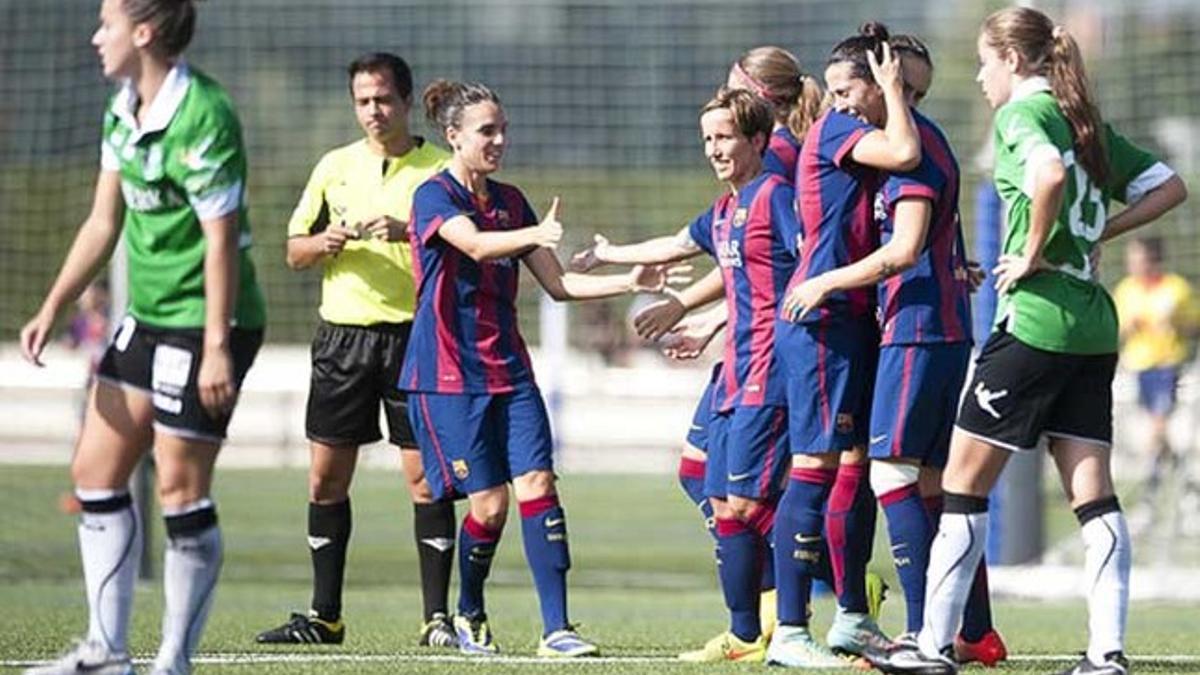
[352, 222]
[1160, 320]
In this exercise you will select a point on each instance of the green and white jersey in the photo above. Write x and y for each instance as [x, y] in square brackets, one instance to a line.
[1065, 310]
[184, 165]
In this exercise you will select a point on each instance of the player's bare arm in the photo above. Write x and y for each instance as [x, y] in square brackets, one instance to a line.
[481, 245]
[215, 382]
[898, 255]
[1150, 207]
[92, 247]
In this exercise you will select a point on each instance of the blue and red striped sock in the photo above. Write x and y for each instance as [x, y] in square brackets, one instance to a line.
[691, 479]
[476, 548]
[799, 544]
[911, 533]
[847, 525]
[763, 522]
[739, 551]
[544, 531]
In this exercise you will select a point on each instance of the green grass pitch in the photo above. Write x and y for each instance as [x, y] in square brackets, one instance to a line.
[643, 585]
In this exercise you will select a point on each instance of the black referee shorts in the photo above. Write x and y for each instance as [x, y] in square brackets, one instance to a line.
[354, 369]
[1019, 393]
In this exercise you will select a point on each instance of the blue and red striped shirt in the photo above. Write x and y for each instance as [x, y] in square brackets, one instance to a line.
[835, 203]
[464, 337]
[782, 152]
[751, 235]
[929, 303]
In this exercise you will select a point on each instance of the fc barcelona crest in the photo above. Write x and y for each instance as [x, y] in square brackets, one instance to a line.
[460, 469]
[740, 216]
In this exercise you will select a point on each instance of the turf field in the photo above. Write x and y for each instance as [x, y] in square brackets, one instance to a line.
[643, 585]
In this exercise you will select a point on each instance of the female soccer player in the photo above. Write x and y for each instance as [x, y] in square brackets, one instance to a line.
[923, 285]
[1047, 368]
[477, 414]
[794, 98]
[925, 344]
[751, 231]
[830, 350]
[173, 177]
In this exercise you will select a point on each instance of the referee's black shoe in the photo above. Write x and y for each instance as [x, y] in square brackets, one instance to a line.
[301, 629]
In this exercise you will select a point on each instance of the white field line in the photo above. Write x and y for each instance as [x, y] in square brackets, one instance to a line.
[260, 658]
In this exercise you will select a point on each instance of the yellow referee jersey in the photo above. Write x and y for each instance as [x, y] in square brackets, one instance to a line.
[370, 281]
[1157, 319]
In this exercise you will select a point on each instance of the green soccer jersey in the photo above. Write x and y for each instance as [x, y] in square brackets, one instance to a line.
[184, 164]
[1064, 310]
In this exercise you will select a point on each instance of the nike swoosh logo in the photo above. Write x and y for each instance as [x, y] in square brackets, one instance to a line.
[736, 477]
[317, 543]
[803, 539]
[441, 544]
[876, 440]
[554, 522]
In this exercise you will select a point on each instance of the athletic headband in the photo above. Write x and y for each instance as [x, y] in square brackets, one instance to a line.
[758, 87]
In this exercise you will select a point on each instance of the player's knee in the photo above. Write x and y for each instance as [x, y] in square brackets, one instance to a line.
[534, 484]
[742, 509]
[490, 507]
[420, 492]
[175, 489]
[324, 488]
[887, 477]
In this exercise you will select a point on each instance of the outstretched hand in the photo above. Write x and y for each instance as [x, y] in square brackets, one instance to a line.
[689, 338]
[656, 278]
[591, 257]
[653, 321]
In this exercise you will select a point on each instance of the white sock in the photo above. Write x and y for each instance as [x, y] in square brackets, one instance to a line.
[190, 569]
[1107, 558]
[110, 545]
[956, 551]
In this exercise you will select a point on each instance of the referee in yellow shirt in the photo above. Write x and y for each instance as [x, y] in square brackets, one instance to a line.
[1159, 319]
[351, 220]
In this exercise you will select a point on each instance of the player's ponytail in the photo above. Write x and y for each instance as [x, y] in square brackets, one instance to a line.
[1070, 85]
[774, 74]
[808, 107]
[172, 21]
[445, 101]
[871, 37]
[1049, 50]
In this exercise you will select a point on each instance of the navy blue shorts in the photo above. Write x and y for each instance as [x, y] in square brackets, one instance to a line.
[472, 442]
[747, 453]
[1156, 389]
[916, 400]
[697, 435]
[830, 370]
